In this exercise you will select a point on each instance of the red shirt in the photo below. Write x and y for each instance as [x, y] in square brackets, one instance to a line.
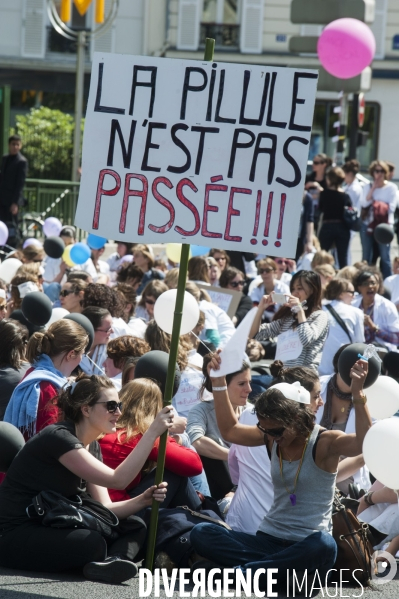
[178, 459]
[47, 412]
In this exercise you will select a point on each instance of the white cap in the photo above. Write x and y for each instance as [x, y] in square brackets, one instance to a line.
[293, 391]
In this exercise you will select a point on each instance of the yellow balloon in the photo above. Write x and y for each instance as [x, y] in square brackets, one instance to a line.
[66, 255]
[173, 252]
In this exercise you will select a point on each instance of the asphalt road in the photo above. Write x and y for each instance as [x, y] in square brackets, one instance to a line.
[15, 584]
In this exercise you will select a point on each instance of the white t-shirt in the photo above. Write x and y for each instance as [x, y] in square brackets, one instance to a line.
[395, 290]
[279, 287]
[387, 194]
[216, 318]
[137, 327]
[354, 191]
[120, 327]
[354, 320]
[250, 470]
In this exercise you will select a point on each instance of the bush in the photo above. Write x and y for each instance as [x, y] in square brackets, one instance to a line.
[47, 137]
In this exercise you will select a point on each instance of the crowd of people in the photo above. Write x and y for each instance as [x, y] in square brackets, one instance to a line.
[269, 443]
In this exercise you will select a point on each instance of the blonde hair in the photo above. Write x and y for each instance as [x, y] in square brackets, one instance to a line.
[61, 337]
[145, 251]
[142, 400]
[348, 272]
[171, 278]
[325, 270]
[322, 257]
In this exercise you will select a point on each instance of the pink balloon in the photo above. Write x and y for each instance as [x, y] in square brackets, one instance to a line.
[346, 47]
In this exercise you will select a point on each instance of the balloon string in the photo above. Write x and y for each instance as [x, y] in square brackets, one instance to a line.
[200, 340]
[96, 365]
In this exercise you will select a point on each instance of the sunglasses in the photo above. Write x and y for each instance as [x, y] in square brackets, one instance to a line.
[112, 405]
[149, 302]
[3, 307]
[379, 170]
[273, 432]
[351, 292]
[265, 270]
[318, 162]
[236, 283]
[281, 261]
[65, 292]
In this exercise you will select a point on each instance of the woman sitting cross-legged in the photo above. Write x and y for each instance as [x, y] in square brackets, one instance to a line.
[296, 532]
[65, 458]
[141, 402]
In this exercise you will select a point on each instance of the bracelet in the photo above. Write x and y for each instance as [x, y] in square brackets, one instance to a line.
[368, 500]
[361, 401]
[219, 388]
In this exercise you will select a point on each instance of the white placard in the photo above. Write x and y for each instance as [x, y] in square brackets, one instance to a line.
[197, 152]
[289, 346]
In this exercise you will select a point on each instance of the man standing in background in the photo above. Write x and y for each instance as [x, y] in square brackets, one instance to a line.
[13, 172]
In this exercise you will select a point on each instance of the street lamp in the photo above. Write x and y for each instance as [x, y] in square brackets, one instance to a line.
[81, 37]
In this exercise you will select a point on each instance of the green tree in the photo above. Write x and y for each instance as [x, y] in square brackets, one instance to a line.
[47, 137]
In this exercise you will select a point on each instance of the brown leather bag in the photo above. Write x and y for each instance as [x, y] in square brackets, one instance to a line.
[354, 548]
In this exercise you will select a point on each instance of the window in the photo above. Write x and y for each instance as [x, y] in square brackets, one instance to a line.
[220, 21]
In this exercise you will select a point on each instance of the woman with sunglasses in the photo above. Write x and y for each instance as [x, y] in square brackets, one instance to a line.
[300, 324]
[72, 295]
[385, 193]
[381, 320]
[296, 532]
[53, 356]
[151, 292]
[267, 270]
[234, 279]
[316, 181]
[101, 319]
[141, 401]
[345, 321]
[250, 466]
[66, 458]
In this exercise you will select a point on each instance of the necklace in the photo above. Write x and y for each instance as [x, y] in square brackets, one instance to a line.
[293, 495]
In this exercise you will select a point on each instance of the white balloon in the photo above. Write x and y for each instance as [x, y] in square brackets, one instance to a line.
[52, 226]
[165, 307]
[381, 450]
[383, 398]
[57, 314]
[8, 268]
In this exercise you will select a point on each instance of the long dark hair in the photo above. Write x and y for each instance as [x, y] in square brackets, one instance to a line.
[306, 376]
[312, 279]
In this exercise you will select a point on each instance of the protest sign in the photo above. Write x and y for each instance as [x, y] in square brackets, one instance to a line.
[197, 152]
[226, 299]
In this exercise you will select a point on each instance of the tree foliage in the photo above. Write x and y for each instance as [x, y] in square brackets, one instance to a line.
[47, 137]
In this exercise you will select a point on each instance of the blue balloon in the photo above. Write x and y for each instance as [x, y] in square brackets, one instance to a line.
[199, 250]
[95, 242]
[80, 253]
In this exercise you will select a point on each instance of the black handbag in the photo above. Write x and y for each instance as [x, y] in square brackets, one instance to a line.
[56, 511]
[351, 218]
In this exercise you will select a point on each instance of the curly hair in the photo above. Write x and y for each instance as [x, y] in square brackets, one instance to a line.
[291, 414]
[104, 297]
[124, 347]
[129, 272]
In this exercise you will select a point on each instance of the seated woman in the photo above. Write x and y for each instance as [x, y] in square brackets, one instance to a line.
[141, 401]
[296, 533]
[198, 270]
[101, 319]
[21, 285]
[303, 325]
[54, 355]
[345, 321]
[136, 325]
[118, 350]
[65, 458]
[204, 432]
[250, 466]
[381, 320]
[72, 295]
[234, 279]
[339, 414]
[13, 362]
[379, 508]
[151, 292]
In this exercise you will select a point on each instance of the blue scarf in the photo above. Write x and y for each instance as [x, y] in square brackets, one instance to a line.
[22, 408]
